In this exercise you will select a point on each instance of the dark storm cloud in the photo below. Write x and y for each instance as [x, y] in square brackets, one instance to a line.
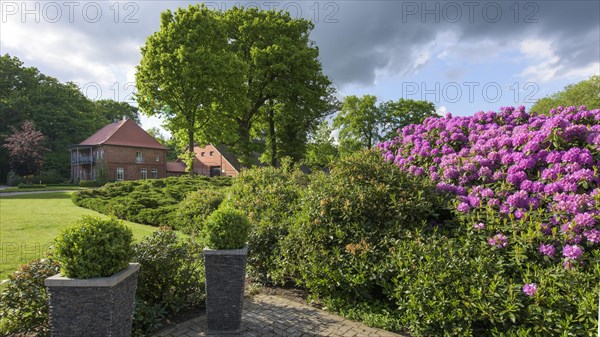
[383, 35]
[359, 39]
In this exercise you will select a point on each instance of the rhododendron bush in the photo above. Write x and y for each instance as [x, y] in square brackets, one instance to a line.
[515, 174]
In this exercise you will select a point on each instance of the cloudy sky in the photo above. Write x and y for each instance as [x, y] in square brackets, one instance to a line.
[464, 56]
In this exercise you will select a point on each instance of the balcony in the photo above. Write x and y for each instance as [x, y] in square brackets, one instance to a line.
[83, 160]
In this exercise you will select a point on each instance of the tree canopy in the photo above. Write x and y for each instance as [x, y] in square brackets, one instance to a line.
[26, 149]
[246, 78]
[586, 92]
[362, 123]
[188, 75]
[59, 110]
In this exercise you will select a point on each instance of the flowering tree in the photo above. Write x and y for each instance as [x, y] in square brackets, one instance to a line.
[26, 149]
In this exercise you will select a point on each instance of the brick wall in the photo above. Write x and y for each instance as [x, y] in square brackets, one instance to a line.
[125, 157]
[202, 164]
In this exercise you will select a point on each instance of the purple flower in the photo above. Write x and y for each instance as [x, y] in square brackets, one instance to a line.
[585, 220]
[479, 226]
[463, 207]
[592, 235]
[572, 251]
[547, 250]
[530, 289]
[499, 241]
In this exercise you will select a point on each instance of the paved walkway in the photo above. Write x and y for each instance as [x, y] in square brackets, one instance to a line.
[273, 316]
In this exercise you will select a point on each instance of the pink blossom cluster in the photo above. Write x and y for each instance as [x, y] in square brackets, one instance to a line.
[516, 163]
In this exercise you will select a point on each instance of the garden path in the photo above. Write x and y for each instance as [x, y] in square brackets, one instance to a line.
[274, 316]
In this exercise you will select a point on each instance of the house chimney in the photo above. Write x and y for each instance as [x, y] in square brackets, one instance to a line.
[124, 117]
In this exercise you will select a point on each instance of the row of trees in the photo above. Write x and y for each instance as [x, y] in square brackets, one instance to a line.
[58, 110]
[246, 78]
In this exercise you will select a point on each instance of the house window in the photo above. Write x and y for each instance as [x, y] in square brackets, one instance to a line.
[154, 173]
[215, 171]
[157, 158]
[212, 153]
[202, 154]
[139, 158]
[99, 153]
[120, 173]
[144, 173]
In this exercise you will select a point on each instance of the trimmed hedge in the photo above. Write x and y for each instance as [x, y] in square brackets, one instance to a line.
[152, 202]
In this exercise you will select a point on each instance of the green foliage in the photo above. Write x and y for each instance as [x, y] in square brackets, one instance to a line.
[270, 197]
[226, 228]
[321, 151]
[59, 110]
[348, 218]
[188, 75]
[362, 123]
[404, 112]
[13, 179]
[195, 208]
[90, 183]
[112, 110]
[24, 301]
[359, 120]
[152, 201]
[50, 177]
[26, 186]
[171, 278]
[93, 247]
[582, 93]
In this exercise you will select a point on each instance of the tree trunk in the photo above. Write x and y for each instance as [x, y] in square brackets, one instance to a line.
[191, 147]
[273, 137]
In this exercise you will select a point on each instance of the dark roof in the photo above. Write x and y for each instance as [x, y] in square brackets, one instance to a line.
[124, 133]
[175, 166]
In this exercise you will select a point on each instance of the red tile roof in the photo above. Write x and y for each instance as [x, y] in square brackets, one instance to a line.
[124, 133]
[175, 166]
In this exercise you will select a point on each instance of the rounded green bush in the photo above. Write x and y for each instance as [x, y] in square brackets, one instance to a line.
[192, 211]
[226, 228]
[94, 247]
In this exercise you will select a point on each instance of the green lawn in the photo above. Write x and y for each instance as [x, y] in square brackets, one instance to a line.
[29, 224]
[47, 188]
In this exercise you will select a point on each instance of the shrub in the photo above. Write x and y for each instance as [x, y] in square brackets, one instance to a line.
[152, 201]
[50, 177]
[526, 198]
[90, 183]
[24, 301]
[270, 197]
[25, 186]
[195, 208]
[171, 277]
[349, 219]
[13, 179]
[226, 228]
[93, 247]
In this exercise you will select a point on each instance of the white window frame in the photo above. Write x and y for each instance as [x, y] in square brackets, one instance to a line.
[120, 173]
[144, 173]
[154, 173]
[139, 157]
[157, 157]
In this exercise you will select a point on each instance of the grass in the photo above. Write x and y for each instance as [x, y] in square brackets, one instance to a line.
[29, 223]
[47, 188]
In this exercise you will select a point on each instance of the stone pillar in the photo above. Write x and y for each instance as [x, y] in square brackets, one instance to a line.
[225, 275]
[95, 307]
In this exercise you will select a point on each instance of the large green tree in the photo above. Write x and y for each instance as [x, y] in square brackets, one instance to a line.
[287, 95]
[586, 92]
[360, 122]
[403, 112]
[59, 110]
[188, 74]
[321, 149]
[113, 110]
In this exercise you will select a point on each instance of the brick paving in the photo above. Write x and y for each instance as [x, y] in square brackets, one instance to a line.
[273, 316]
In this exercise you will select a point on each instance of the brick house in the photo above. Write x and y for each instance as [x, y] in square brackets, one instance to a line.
[119, 151]
[210, 161]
